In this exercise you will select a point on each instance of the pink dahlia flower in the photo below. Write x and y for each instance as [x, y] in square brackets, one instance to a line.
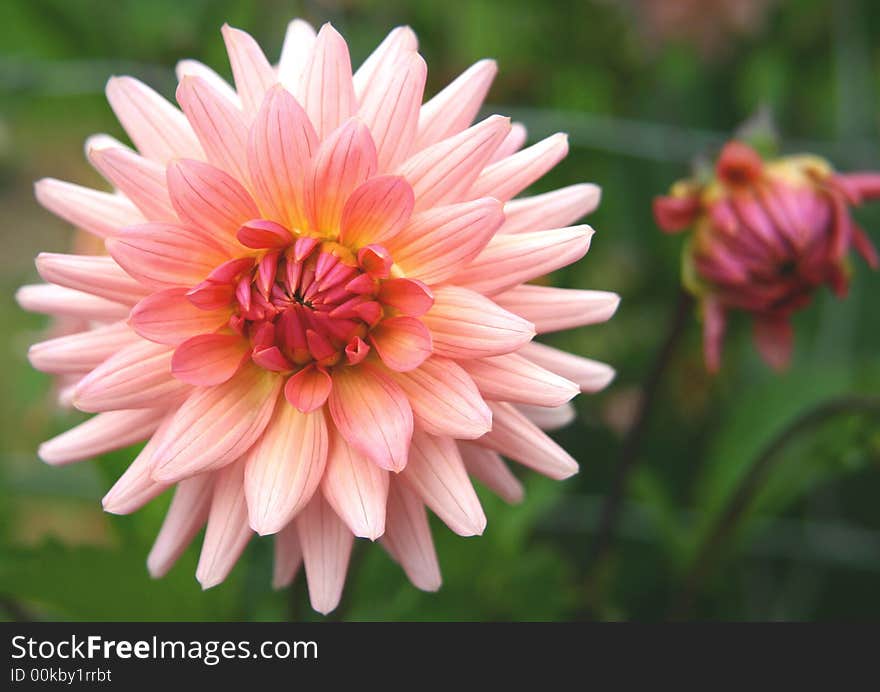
[766, 235]
[315, 309]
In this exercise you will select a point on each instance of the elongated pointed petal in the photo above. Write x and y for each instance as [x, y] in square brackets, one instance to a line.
[288, 557]
[186, 515]
[285, 467]
[194, 68]
[216, 425]
[168, 317]
[372, 413]
[142, 180]
[517, 438]
[488, 468]
[554, 309]
[400, 42]
[252, 72]
[81, 352]
[437, 474]
[101, 213]
[465, 324]
[511, 377]
[408, 537]
[356, 489]
[98, 275]
[326, 545]
[299, 40]
[376, 211]
[514, 141]
[589, 375]
[549, 418]
[508, 177]
[325, 88]
[209, 359]
[555, 209]
[445, 400]
[136, 486]
[66, 302]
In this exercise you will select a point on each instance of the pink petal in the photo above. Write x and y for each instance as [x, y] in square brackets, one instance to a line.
[158, 129]
[285, 467]
[390, 108]
[299, 40]
[308, 389]
[444, 172]
[209, 359]
[345, 160]
[136, 486]
[325, 88]
[774, 339]
[373, 415]
[465, 324]
[549, 418]
[399, 43]
[508, 177]
[550, 210]
[517, 438]
[194, 68]
[511, 377]
[66, 302]
[168, 317]
[589, 375]
[100, 434]
[288, 557]
[260, 234]
[437, 474]
[408, 537]
[488, 468]
[554, 309]
[714, 325]
[80, 352]
[216, 425]
[138, 376]
[376, 211]
[252, 72]
[356, 489]
[514, 141]
[97, 275]
[438, 243]
[509, 259]
[227, 533]
[142, 180]
[403, 343]
[445, 400]
[281, 145]
[455, 107]
[326, 546]
[218, 123]
[101, 213]
[186, 516]
[410, 296]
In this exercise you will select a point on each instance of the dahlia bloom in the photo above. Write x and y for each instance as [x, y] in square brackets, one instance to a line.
[766, 235]
[314, 307]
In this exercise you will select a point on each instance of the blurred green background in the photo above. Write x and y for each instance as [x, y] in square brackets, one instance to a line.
[642, 87]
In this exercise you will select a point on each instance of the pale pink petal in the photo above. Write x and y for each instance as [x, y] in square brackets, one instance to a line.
[99, 434]
[299, 39]
[437, 474]
[509, 259]
[455, 107]
[136, 486]
[345, 160]
[281, 145]
[403, 343]
[445, 400]
[510, 176]
[186, 516]
[326, 546]
[590, 375]
[308, 389]
[66, 302]
[285, 467]
[550, 210]
[138, 376]
[97, 275]
[465, 324]
[325, 88]
[168, 317]
[408, 537]
[511, 377]
[252, 72]
[194, 68]
[399, 43]
[549, 418]
[288, 557]
[554, 309]
[81, 352]
[514, 141]
[517, 438]
[373, 415]
[376, 211]
[488, 468]
[210, 200]
[218, 123]
[209, 359]
[101, 213]
[444, 172]
[142, 180]
[227, 533]
[356, 489]
[390, 108]
[438, 243]
[158, 129]
[216, 425]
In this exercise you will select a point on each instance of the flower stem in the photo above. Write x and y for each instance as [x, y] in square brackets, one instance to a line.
[751, 483]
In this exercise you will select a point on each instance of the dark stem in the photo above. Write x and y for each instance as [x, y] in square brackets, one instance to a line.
[632, 443]
[751, 483]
